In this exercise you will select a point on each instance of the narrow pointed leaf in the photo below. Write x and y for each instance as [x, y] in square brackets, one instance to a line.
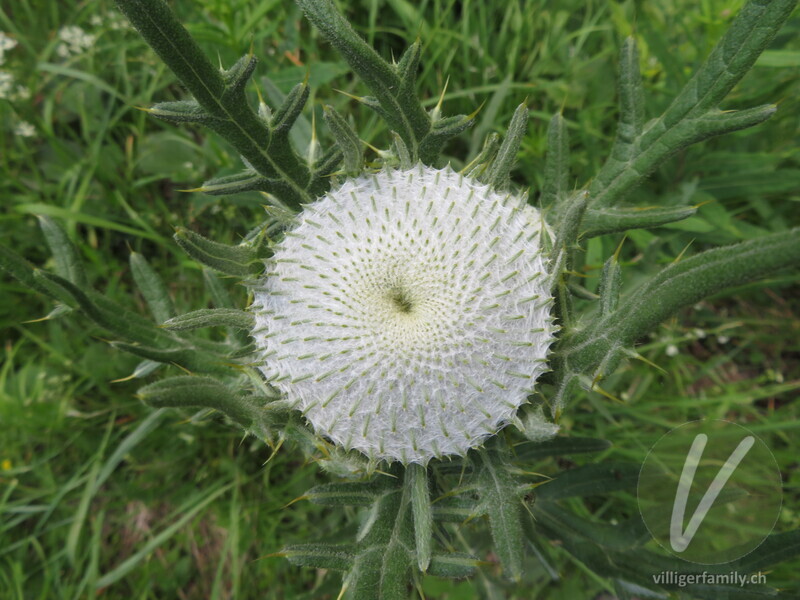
[613, 219]
[500, 169]
[349, 493]
[621, 537]
[404, 114]
[501, 501]
[407, 71]
[192, 391]
[347, 140]
[442, 131]
[403, 155]
[163, 32]
[106, 313]
[556, 165]
[454, 566]
[480, 164]
[631, 102]
[239, 261]
[152, 287]
[681, 284]
[694, 114]
[189, 358]
[220, 98]
[68, 261]
[236, 78]
[528, 452]
[417, 476]
[338, 557]
[24, 272]
[181, 111]
[211, 317]
[591, 479]
[382, 567]
[246, 181]
[287, 113]
[610, 282]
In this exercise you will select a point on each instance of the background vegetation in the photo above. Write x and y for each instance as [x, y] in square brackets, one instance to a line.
[96, 489]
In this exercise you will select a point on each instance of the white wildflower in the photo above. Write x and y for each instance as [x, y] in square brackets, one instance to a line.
[22, 93]
[407, 314]
[672, 350]
[96, 20]
[73, 40]
[6, 84]
[6, 43]
[723, 339]
[24, 129]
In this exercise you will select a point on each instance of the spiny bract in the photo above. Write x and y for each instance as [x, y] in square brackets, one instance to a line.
[407, 315]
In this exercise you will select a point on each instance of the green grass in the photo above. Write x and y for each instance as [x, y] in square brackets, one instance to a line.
[96, 489]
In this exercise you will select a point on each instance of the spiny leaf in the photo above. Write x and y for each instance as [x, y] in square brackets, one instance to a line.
[479, 165]
[498, 173]
[173, 44]
[456, 509]
[236, 79]
[693, 115]
[382, 567]
[441, 131]
[239, 261]
[599, 347]
[407, 71]
[246, 181]
[404, 114]
[220, 98]
[347, 140]
[287, 113]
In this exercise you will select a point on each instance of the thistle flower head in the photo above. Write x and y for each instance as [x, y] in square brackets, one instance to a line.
[407, 314]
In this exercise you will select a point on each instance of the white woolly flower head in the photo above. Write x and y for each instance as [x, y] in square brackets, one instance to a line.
[407, 315]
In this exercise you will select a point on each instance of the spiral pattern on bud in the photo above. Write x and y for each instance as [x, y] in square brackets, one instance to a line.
[407, 315]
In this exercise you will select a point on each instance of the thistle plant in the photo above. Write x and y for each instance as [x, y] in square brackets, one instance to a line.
[411, 327]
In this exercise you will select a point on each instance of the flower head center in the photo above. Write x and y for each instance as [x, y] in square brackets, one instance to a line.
[401, 299]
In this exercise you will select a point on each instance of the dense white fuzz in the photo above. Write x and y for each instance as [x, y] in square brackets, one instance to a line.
[406, 314]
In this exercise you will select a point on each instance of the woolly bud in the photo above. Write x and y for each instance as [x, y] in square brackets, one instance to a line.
[407, 314]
